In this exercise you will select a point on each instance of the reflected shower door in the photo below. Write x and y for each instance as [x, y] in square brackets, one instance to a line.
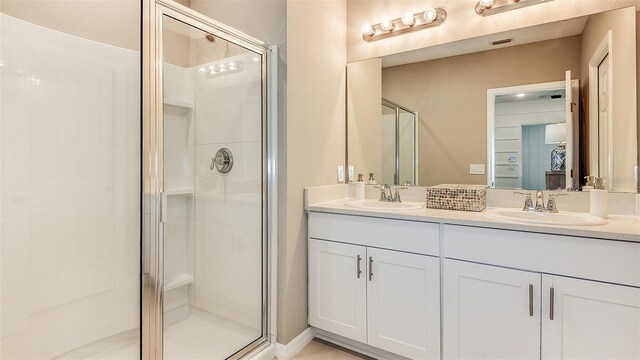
[388, 141]
[399, 148]
[213, 194]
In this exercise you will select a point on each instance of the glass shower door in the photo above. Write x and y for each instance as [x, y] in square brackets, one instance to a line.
[213, 253]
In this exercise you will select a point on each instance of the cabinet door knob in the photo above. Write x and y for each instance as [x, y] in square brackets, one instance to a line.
[551, 302]
[358, 270]
[370, 268]
[530, 300]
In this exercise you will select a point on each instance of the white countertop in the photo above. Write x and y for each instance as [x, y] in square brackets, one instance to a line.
[622, 228]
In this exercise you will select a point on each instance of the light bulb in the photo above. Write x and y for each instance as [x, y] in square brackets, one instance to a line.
[486, 3]
[521, 95]
[367, 30]
[202, 69]
[386, 25]
[430, 15]
[408, 19]
[232, 66]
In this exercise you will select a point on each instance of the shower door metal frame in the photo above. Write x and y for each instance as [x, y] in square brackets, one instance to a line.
[152, 265]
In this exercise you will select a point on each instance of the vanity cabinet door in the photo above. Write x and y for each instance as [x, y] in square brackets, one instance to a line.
[404, 303]
[589, 320]
[490, 312]
[338, 288]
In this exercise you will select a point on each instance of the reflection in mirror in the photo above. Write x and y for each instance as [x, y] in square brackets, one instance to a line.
[528, 137]
[466, 92]
[399, 151]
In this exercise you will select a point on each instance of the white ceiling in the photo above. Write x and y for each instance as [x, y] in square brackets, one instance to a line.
[532, 34]
[530, 96]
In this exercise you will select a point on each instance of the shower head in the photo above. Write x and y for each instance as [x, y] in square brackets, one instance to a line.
[210, 38]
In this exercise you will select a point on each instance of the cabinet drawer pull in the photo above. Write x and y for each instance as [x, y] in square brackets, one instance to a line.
[359, 271]
[551, 302]
[530, 300]
[370, 268]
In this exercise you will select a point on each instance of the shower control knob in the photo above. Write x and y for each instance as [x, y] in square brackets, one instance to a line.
[223, 161]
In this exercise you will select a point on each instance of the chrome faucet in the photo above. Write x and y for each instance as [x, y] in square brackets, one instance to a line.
[539, 200]
[388, 195]
[551, 206]
[383, 193]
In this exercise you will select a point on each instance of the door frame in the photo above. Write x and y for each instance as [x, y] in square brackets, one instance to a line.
[491, 114]
[603, 50]
[152, 266]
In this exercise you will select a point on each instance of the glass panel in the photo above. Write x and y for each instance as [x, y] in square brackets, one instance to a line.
[70, 184]
[213, 254]
[406, 133]
[388, 145]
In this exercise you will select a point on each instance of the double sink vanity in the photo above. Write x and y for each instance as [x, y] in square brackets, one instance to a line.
[553, 108]
[393, 281]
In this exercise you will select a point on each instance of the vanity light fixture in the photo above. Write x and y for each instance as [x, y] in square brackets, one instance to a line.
[408, 19]
[407, 23]
[487, 8]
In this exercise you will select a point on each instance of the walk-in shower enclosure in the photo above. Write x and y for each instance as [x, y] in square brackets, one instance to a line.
[138, 166]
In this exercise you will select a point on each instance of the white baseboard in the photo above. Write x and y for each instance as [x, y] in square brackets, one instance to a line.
[288, 351]
[356, 346]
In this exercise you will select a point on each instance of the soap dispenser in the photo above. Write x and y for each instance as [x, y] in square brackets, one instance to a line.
[590, 185]
[599, 199]
[371, 180]
[360, 187]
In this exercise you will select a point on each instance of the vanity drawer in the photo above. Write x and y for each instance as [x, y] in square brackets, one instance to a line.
[409, 236]
[597, 259]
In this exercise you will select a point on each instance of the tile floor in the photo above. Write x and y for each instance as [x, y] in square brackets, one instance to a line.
[322, 350]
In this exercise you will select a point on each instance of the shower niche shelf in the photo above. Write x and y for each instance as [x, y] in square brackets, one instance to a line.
[179, 191]
[178, 281]
[178, 103]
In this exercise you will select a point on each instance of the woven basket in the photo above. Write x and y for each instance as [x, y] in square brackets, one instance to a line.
[457, 197]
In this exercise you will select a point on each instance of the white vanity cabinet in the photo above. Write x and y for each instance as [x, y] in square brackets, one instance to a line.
[492, 311]
[377, 286]
[590, 320]
[338, 288]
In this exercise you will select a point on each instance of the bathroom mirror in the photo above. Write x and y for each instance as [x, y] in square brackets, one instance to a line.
[533, 108]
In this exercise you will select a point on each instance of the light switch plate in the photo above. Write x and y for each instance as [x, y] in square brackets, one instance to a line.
[340, 174]
[476, 169]
[350, 177]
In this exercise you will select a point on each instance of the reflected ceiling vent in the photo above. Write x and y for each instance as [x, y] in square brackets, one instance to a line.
[501, 41]
[551, 96]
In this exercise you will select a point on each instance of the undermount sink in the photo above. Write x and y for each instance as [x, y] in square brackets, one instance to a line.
[561, 218]
[376, 205]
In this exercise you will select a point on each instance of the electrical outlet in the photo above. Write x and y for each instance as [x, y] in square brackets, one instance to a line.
[340, 174]
[476, 169]
[351, 179]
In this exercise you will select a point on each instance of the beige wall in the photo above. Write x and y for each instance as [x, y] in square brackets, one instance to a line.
[114, 22]
[462, 21]
[315, 140]
[624, 108]
[450, 96]
[265, 20]
[364, 130]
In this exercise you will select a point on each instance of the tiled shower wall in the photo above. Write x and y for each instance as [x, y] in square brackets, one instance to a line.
[228, 211]
[226, 255]
[70, 147]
